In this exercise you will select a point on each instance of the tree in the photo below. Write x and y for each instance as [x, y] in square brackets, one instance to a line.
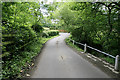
[93, 23]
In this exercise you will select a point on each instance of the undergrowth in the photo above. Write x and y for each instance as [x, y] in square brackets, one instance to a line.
[20, 63]
[74, 46]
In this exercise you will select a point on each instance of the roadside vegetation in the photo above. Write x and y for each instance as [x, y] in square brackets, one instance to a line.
[23, 36]
[70, 43]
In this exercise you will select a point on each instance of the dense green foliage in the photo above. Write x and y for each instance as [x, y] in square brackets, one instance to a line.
[17, 19]
[96, 24]
[22, 31]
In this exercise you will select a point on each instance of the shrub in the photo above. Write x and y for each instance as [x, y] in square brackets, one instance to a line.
[50, 33]
[53, 33]
[37, 28]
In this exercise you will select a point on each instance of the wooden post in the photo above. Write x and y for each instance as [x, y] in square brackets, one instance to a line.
[85, 48]
[116, 63]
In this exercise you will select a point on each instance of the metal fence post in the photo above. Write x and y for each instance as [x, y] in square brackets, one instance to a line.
[73, 42]
[85, 48]
[116, 62]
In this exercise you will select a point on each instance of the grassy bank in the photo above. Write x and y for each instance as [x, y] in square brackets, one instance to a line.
[20, 63]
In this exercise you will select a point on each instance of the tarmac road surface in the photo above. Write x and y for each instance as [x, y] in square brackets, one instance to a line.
[57, 60]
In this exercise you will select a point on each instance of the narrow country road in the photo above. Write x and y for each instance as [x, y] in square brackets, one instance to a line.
[57, 60]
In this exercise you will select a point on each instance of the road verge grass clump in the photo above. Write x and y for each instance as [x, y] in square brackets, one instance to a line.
[73, 46]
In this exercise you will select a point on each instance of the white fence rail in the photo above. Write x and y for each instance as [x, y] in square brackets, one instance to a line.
[85, 48]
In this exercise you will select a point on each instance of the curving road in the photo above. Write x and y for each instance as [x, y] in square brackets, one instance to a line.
[57, 60]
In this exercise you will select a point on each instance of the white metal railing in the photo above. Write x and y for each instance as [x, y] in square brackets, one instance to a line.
[85, 48]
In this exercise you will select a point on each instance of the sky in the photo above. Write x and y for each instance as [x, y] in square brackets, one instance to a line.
[47, 2]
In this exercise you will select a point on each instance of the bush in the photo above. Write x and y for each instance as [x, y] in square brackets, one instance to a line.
[50, 33]
[53, 33]
[37, 28]
[23, 35]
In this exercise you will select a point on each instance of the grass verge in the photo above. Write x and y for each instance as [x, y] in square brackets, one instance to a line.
[73, 46]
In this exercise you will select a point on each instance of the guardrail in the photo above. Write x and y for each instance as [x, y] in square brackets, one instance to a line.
[85, 48]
